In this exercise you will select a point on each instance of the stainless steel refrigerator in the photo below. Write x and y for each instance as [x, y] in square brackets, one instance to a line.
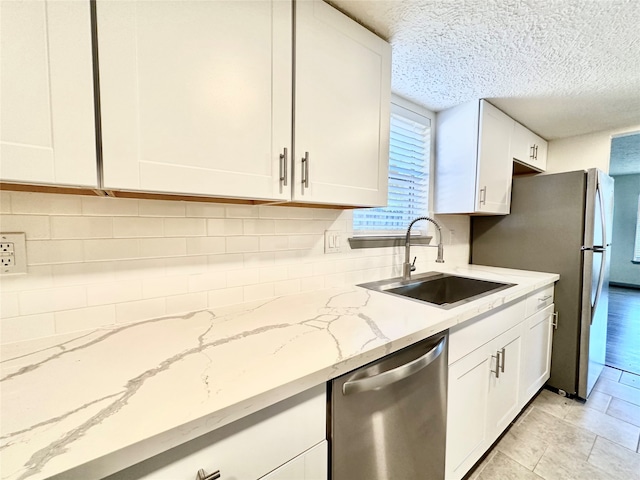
[560, 223]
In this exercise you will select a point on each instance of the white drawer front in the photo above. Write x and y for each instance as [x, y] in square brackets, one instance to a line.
[538, 301]
[484, 328]
[247, 449]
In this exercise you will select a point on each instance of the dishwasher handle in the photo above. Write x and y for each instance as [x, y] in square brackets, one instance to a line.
[387, 378]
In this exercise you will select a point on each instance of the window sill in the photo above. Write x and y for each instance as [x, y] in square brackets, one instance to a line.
[386, 241]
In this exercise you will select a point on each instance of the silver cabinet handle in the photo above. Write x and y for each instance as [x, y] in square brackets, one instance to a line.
[555, 316]
[483, 195]
[532, 155]
[536, 152]
[283, 167]
[503, 357]
[305, 170]
[386, 378]
[497, 370]
[545, 298]
[202, 475]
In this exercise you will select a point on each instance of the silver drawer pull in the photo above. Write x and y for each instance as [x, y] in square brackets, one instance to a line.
[497, 370]
[202, 475]
[544, 299]
[555, 320]
[504, 355]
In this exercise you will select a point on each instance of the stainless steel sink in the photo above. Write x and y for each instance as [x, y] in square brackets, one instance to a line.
[438, 289]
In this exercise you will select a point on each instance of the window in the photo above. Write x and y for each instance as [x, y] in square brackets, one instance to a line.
[636, 249]
[409, 167]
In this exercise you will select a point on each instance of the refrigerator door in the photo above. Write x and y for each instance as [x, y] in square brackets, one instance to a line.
[595, 297]
[544, 233]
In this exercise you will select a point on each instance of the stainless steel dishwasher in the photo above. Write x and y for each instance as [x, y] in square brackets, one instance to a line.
[388, 418]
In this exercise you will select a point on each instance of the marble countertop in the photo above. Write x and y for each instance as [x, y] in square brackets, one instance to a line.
[89, 404]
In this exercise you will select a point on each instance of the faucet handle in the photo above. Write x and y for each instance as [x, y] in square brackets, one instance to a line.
[413, 264]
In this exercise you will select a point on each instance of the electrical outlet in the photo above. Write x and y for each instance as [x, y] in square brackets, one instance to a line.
[13, 253]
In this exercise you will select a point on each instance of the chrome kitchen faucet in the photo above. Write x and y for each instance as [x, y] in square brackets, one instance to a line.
[408, 267]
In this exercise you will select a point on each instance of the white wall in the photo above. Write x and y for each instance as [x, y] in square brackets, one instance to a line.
[583, 151]
[96, 261]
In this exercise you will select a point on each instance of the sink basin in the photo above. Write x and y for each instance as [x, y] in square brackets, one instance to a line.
[438, 289]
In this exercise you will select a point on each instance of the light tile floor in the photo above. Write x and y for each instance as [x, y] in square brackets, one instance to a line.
[560, 439]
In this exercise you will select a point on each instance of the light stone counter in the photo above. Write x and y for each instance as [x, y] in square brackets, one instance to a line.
[89, 404]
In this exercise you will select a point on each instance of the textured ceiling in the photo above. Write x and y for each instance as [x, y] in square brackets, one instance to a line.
[560, 67]
[625, 155]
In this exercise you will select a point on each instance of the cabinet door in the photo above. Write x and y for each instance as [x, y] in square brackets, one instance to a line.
[195, 96]
[342, 104]
[311, 465]
[528, 148]
[504, 388]
[536, 363]
[47, 127]
[495, 166]
[467, 406]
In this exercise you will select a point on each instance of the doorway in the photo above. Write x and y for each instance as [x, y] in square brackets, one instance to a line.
[623, 335]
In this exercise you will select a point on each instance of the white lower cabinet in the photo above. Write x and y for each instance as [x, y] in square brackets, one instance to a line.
[498, 362]
[311, 465]
[284, 441]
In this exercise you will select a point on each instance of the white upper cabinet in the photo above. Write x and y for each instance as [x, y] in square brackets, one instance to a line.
[47, 125]
[196, 99]
[473, 162]
[342, 108]
[196, 96]
[528, 148]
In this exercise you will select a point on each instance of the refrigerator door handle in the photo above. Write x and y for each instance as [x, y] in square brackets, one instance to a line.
[600, 249]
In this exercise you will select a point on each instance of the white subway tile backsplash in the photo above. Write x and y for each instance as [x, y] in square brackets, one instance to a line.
[81, 227]
[190, 302]
[37, 203]
[41, 252]
[202, 209]
[94, 261]
[242, 244]
[67, 274]
[164, 247]
[164, 286]
[184, 227]
[111, 249]
[35, 226]
[222, 263]
[225, 296]
[273, 274]
[246, 276]
[224, 226]
[207, 281]
[9, 304]
[205, 245]
[52, 299]
[119, 292]
[109, 206]
[140, 310]
[259, 227]
[18, 329]
[84, 318]
[258, 292]
[162, 208]
[241, 211]
[5, 202]
[130, 227]
[286, 287]
[272, 243]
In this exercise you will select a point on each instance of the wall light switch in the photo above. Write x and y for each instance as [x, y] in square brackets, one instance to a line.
[13, 253]
[331, 241]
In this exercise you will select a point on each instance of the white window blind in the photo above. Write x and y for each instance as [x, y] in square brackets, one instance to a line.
[409, 152]
[636, 249]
